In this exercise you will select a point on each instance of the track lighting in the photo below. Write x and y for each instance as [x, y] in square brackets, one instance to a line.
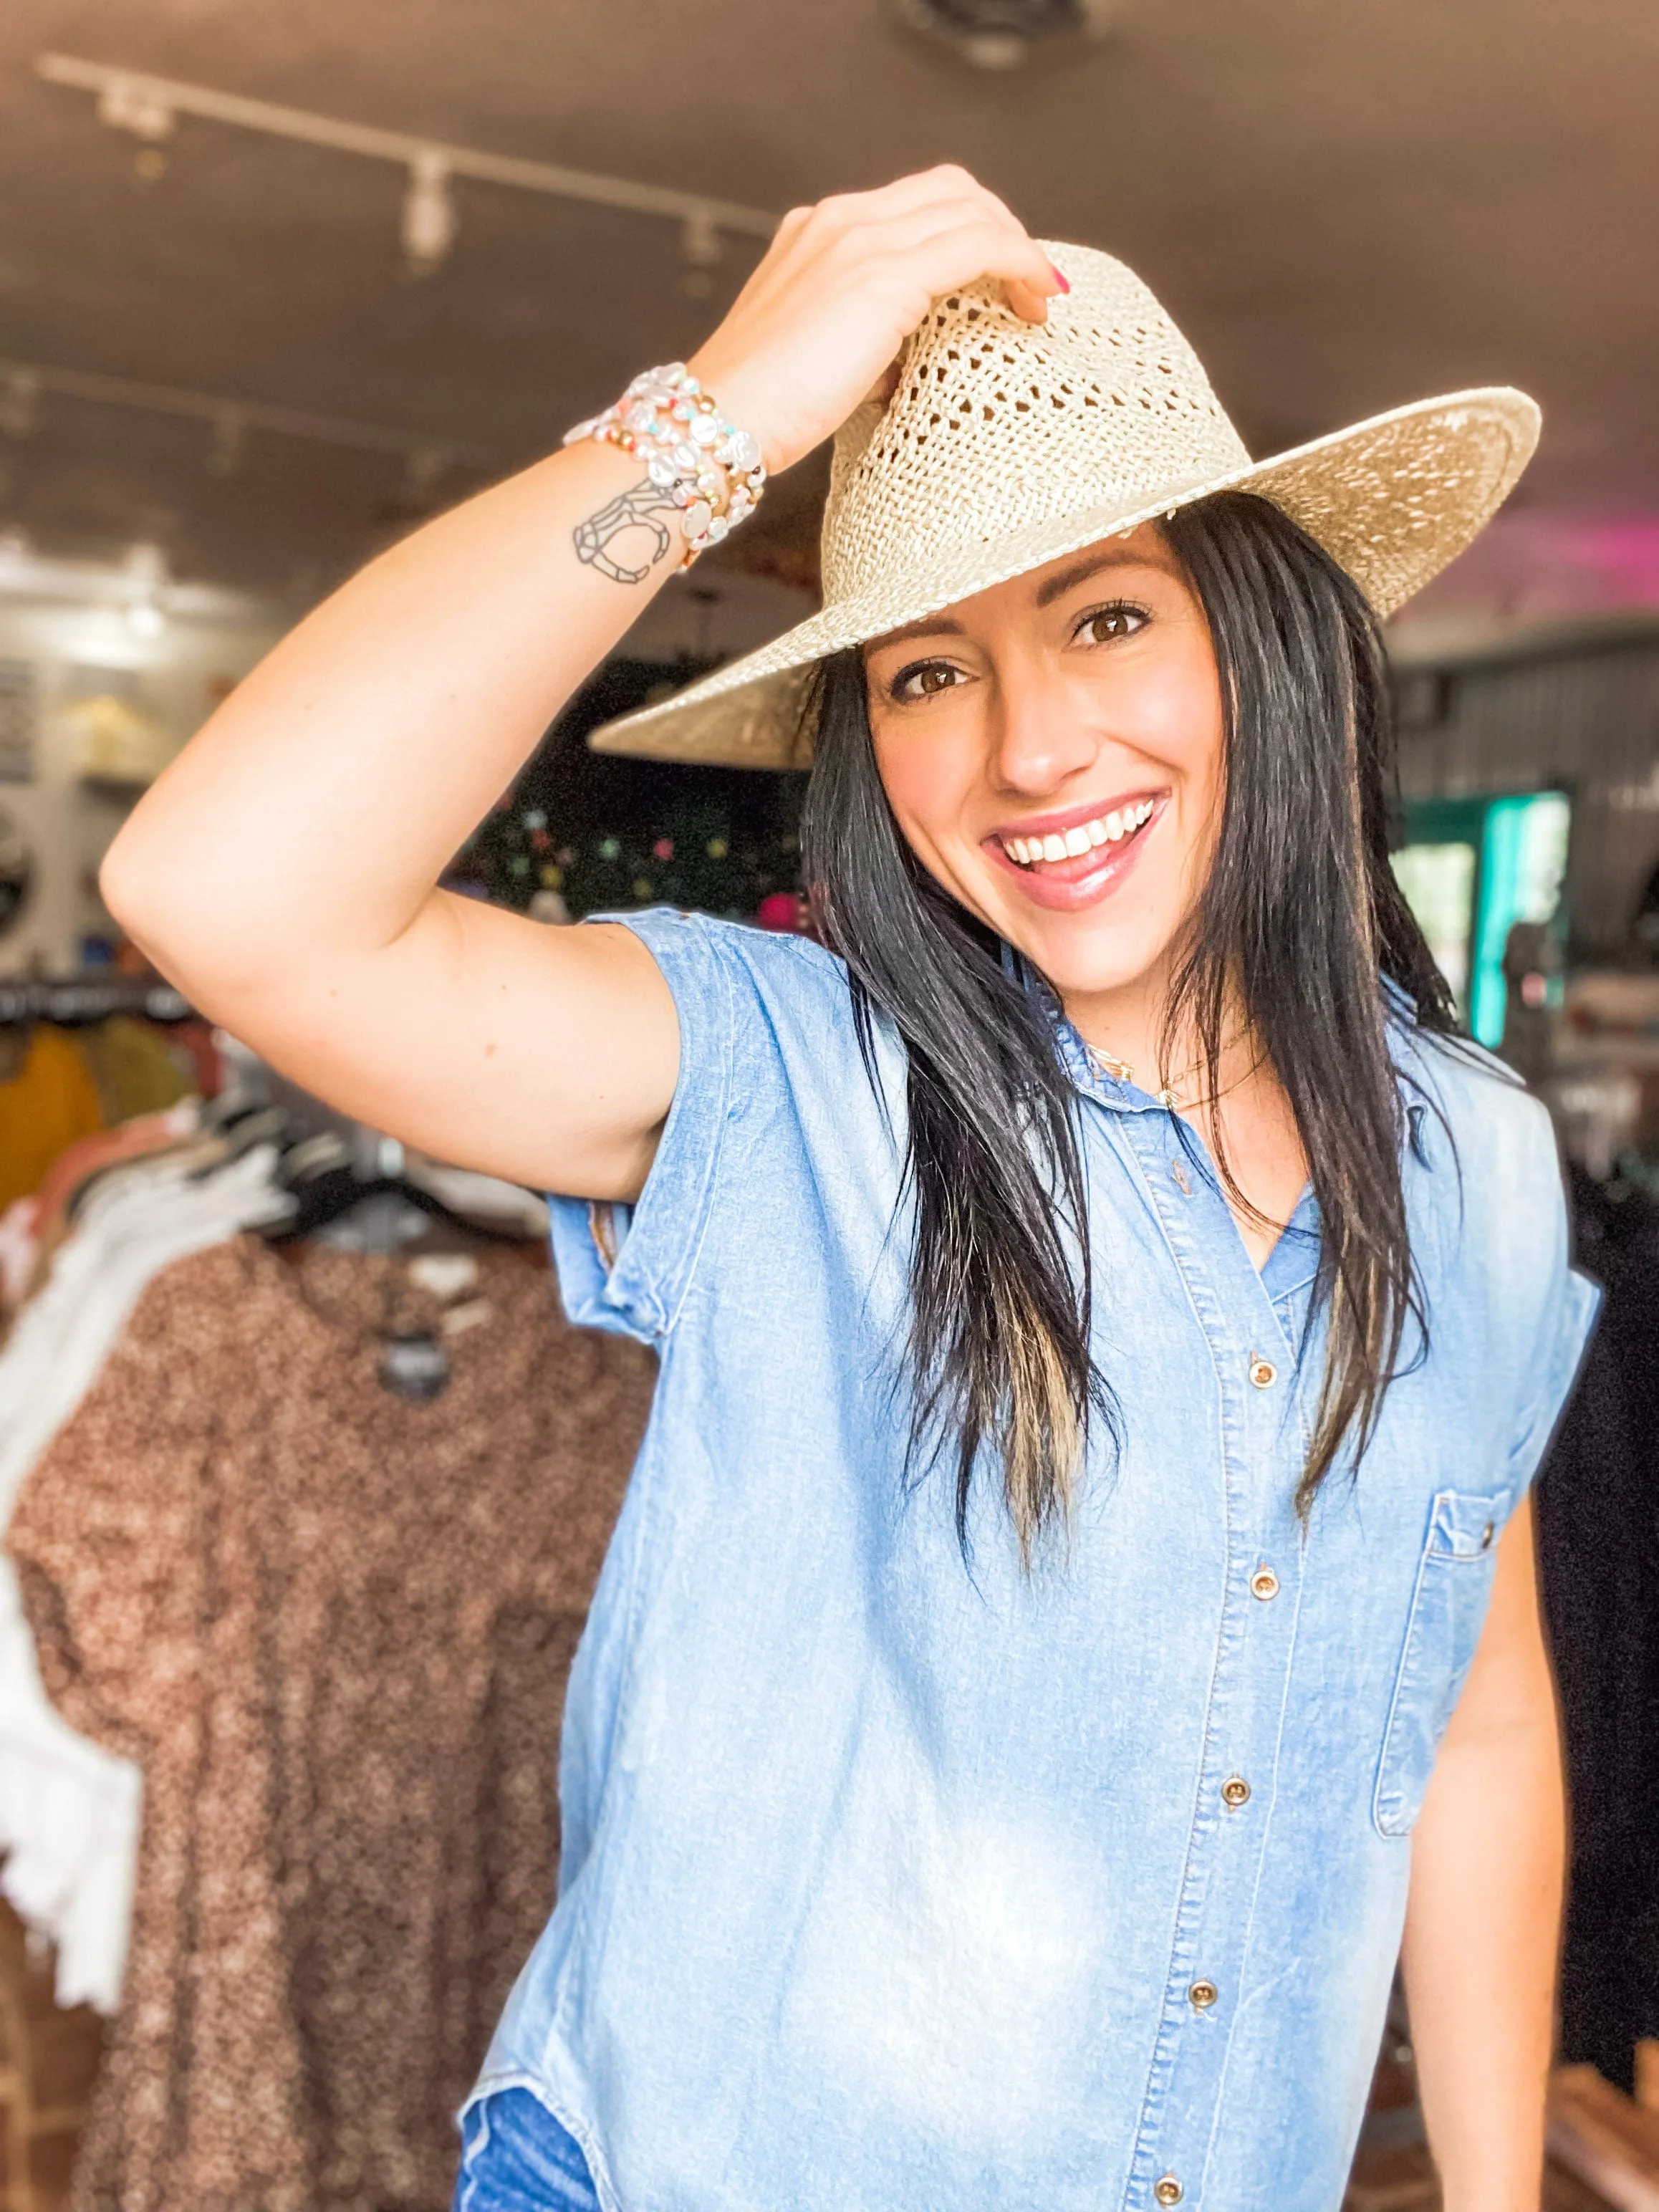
[229, 442]
[149, 107]
[429, 216]
[700, 251]
[20, 401]
[230, 421]
[147, 569]
[124, 104]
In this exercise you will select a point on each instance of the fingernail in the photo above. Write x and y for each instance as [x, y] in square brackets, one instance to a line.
[1059, 279]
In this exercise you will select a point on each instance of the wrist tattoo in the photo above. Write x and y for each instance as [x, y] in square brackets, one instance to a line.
[642, 507]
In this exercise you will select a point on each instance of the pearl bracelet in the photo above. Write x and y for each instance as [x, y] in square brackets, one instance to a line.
[702, 464]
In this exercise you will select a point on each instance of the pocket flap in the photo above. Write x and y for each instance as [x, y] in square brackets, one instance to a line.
[1464, 1526]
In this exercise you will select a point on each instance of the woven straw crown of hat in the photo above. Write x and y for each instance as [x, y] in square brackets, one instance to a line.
[1008, 444]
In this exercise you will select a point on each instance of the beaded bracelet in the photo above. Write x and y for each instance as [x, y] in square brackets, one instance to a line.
[704, 466]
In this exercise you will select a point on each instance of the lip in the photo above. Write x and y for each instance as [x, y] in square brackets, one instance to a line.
[1068, 886]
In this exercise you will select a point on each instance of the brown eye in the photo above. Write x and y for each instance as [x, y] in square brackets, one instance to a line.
[1106, 624]
[923, 681]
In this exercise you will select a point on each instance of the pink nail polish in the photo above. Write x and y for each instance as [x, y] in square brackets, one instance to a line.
[1059, 279]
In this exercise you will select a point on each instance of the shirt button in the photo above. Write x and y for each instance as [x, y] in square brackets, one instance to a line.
[1167, 2191]
[1183, 1181]
[1263, 1373]
[1486, 1536]
[1264, 1584]
[1235, 1792]
[1202, 1996]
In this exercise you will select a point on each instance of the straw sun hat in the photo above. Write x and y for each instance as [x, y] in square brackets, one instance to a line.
[1007, 444]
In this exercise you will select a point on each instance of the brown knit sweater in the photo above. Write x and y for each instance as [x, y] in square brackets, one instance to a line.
[334, 1627]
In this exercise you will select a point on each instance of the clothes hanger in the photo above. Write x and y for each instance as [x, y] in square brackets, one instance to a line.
[335, 1175]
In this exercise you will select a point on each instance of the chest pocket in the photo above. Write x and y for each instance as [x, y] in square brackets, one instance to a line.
[1449, 1605]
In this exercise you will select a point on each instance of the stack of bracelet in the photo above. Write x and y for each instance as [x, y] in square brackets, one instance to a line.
[706, 467]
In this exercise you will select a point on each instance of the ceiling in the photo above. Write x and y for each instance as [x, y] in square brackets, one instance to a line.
[1345, 205]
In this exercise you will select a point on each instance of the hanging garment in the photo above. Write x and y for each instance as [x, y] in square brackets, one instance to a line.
[1598, 1542]
[51, 1101]
[43, 1219]
[332, 1619]
[136, 1069]
[69, 1810]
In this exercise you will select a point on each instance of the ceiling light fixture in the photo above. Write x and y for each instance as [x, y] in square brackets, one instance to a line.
[700, 251]
[20, 401]
[430, 221]
[229, 445]
[1005, 34]
[146, 565]
[128, 104]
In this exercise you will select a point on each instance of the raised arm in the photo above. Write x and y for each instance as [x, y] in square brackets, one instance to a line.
[282, 872]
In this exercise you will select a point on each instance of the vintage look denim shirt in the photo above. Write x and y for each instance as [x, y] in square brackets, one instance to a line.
[895, 1883]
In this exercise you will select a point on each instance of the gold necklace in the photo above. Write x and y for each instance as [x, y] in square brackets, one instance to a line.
[1167, 1097]
[1121, 1072]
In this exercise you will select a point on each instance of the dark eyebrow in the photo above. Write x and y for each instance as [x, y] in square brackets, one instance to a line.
[1080, 571]
[929, 626]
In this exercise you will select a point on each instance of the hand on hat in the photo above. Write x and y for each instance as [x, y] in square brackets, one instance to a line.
[842, 285]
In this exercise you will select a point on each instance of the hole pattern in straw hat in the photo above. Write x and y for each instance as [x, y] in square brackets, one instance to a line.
[1008, 444]
[998, 423]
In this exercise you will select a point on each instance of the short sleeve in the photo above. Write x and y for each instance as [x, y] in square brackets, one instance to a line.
[628, 1267]
[1568, 1316]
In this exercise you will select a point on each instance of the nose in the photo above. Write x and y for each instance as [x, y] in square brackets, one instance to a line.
[1038, 739]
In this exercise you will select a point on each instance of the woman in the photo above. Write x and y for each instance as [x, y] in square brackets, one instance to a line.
[1107, 1329]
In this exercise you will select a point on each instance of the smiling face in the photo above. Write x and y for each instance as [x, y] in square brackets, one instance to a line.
[1053, 750]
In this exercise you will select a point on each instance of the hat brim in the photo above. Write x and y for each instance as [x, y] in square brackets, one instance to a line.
[1393, 500]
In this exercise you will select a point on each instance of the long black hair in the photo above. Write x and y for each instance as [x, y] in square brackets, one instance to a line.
[1299, 923]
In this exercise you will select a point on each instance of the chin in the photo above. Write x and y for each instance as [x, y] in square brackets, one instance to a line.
[1084, 958]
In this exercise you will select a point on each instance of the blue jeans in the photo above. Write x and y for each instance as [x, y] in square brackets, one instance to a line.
[515, 2157]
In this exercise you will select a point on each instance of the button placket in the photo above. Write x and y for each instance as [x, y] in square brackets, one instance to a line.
[1261, 1453]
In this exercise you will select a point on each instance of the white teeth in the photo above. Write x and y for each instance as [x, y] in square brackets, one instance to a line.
[1108, 830]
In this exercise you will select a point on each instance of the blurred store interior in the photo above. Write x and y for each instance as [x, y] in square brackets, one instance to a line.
[277, 283]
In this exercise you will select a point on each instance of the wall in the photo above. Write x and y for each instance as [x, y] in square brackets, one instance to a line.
[172, 679]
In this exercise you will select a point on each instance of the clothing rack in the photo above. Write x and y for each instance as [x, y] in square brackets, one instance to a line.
[79, 1002]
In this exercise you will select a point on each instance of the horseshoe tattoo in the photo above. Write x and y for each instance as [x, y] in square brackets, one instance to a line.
[641, 506]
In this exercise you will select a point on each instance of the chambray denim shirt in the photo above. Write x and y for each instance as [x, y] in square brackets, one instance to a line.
[892, 1883]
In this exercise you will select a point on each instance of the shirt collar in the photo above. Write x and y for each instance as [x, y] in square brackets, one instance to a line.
[1089, 1077]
